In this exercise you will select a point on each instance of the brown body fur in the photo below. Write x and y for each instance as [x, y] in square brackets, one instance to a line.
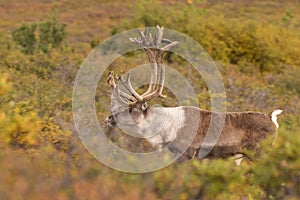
[240, 130]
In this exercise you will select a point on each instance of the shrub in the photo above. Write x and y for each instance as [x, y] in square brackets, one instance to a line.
[42, 36]
[21, 127]
[19, 130]
[51, 34]
[25, 37]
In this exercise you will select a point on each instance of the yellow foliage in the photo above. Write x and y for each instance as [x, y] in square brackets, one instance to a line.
[25, 129]
[20, 130]
[52, 134]
[4, 86]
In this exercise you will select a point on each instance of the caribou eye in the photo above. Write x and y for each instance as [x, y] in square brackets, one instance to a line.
[130, 110]
[144, 106]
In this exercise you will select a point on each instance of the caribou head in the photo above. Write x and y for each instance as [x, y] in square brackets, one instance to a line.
[129, 108]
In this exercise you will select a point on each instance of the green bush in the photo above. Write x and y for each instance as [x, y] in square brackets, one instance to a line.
[51, 34]
[25, 37]
[42, 36]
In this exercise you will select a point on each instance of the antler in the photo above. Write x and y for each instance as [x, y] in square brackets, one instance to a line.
[118, 94]
[155, 53]
[155, 56]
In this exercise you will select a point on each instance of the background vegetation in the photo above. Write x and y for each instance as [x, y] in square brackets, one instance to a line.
[42, 44]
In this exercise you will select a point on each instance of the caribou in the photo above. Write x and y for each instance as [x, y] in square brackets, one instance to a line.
[172, 126]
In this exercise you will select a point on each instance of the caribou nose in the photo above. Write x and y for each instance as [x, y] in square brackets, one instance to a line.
[110, 121]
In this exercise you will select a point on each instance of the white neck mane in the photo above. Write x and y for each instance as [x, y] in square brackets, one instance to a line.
[167, 123]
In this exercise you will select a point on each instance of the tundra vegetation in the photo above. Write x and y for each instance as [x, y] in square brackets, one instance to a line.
[256, 45]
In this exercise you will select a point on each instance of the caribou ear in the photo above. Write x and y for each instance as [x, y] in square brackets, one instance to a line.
[144, 106]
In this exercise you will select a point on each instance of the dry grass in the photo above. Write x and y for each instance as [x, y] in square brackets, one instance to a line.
[91, 19]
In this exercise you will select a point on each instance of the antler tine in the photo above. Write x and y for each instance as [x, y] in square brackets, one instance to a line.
[141, 33]
[150, 40]
[155, 53]
[169, 46]
[146, 31]
[153, 65]
[153, 89]
[129, 87]
[161, 81]
[118, 94]
[154, 39]
[146, 96]
[113, 87]
[111, 81]
[160, 35]
[127, 96]
[166, 41]
[136, 41]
